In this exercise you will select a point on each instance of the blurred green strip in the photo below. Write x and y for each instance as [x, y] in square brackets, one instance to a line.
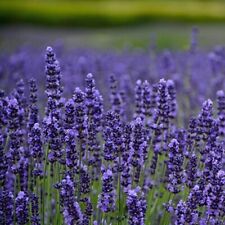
[110, 13]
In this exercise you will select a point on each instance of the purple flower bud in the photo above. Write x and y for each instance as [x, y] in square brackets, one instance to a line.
[69, 114]
[80, 117]
[221, 111]
[22, 208]
[71, 152]
[88, 211]
[172, 99]
[192, 170]
[36, 149]
[85, 181]
[94, 114]
[136, 205]
[33, 109]
[71, 210]
[139, 99]
[147, 110]
[53, 74]
[174, 167]
[205, 119]
[180, 213]
[3, 162]
[112, 136]
[115, 97]
[35, 218]
[6, 207]
[106, 200]
[163, 104]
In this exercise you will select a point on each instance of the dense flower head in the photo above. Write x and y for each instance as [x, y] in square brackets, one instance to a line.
[85, 181]
[192, 170]
[90, 90]
[80, 112]
[163, 103]
[20, 95]
[98, 110]
[35, 218]
[52, 69]
[193, 136]
[180, 213]
[136, 206]
[174, 167]
[139, 98]
[33, 90]
[106, 200]
[36, 142]
[172, 98]
[33, 108]
[71, 151]
[147, 101]
[13, 112]
[6, 206]
[115, 96]
[221, 110]
[71, 209]
[94, 105]
[52, 131]
[138, 146]
[206, 119]
[36, 149]
[112, 135]
[3, 164]
[69, 114]
[22, 208]
[3, 109]
[88, 211]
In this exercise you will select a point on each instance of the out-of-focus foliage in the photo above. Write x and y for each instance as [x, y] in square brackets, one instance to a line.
[109, 13]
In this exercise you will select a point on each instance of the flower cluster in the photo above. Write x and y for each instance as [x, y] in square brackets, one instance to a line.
[106, 201]
[118, 154]
[136, 205]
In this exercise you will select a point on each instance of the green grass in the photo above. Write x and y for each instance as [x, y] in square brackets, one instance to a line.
[109, 13]
[170, 36]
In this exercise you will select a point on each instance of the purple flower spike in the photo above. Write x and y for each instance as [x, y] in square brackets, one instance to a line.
[33, 109]
[80, 118]
[139, 99]
[221, 111]
[36, 149]
[136, 205]
[22, 208]
[174, 167]
[172, 99]
[115, 97]
[71, 210]
[6, 207]
[69, 114]
[35, 218]
[106, 200]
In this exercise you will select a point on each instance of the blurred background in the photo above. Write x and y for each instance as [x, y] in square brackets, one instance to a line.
[111, 23]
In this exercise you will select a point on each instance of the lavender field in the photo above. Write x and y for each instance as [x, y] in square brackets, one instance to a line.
[103, 137]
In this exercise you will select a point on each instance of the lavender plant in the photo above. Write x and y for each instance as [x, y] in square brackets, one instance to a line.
[133, 151]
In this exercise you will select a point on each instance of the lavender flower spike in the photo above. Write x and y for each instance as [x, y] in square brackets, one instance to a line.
[106, 200]
[136, 205]
[22, 208]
